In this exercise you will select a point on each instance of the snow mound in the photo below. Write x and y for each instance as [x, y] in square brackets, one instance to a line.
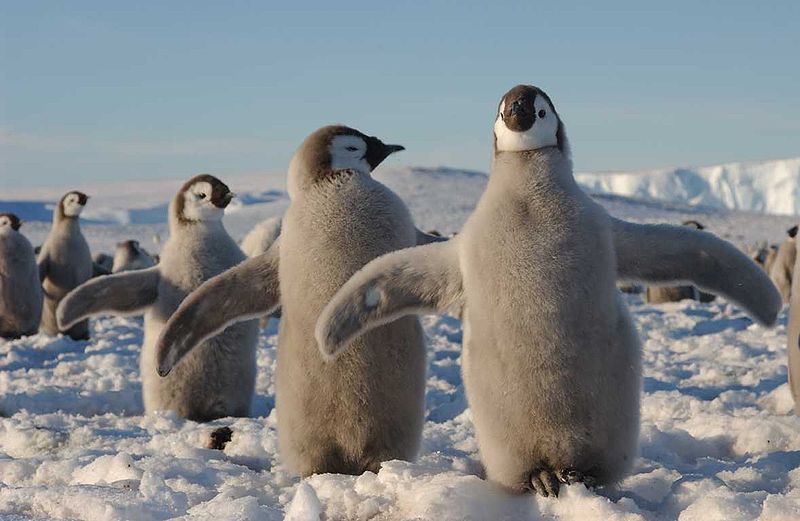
[771, 187]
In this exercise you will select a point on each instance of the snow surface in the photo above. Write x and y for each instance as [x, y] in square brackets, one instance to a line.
[767, 186]
[719, 440]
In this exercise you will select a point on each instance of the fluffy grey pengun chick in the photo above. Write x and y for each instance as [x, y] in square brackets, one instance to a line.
[218, 378]
[65, 263]
[368, 406]
[20, 289]
[551, 361]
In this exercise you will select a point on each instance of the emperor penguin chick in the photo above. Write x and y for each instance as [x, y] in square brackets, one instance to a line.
[793, 335]
[368, 406]
[218, 378]
[260, 238]
[20, 289]
[130, 256]
[782, 269]
[551, 360]
[65, 263]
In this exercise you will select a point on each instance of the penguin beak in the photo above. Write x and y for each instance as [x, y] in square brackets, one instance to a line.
[224, 200]
[377, 151]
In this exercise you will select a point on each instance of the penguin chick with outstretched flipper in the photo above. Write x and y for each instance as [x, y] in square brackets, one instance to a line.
[218, 378]
[551, 361]
[368, 406]
[65, 263]
[20, 289]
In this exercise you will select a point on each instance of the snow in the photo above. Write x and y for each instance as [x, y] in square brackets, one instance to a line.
[766, 187]
[718, 437]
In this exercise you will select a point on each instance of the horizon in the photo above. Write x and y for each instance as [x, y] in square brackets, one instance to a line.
[101, 93]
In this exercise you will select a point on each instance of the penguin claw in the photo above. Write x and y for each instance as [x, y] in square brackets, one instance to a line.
[545, 483]
[571, 475]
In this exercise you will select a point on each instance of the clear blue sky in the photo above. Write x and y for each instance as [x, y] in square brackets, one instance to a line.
[124, 90]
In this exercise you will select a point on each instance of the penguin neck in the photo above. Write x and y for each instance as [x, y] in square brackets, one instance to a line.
[197, 228]
[532, 172]
[63, 222]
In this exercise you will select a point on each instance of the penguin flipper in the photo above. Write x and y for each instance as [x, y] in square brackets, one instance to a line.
[414, 280]
[123, 294]
[664, 254]
[249, 290]
[428, 238]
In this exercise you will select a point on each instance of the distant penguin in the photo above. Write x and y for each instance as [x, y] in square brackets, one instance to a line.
[782, 267]
[65, 263]
[260, 238]
[663, 294]
[368, 406]
[130, 256]
[772, 254]
[218, 378]
[20, 290]
[551, 360]
[103, 263]
[793, 334]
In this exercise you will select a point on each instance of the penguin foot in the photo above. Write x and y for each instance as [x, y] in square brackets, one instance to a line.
[545, 482]
[571, 475]
[219, 438]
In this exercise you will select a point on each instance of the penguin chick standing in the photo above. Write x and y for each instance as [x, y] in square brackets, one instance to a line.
[260, 238]
[368, 406]
[65, 263]
[551, 360]
[130, 256]
[20, 289]
[793, 335]
[782, 268]
[218, 378]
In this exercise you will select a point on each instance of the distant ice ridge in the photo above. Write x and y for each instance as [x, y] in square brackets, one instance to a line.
[771, 187]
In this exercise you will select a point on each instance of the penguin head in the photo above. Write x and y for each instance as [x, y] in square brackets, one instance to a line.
[9, 222]
[131, 247]
[333, 149]
[792, 232]
[201, 198]
[72, 203]
[527, 120]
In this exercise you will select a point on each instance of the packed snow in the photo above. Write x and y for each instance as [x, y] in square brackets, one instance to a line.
[719, 440]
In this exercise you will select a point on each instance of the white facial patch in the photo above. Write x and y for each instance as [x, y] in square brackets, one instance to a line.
[72, 208]
[541, 134]
[347, 153]
[197, 204]
[5, 225]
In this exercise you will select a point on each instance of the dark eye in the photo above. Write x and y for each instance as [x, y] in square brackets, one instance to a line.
[201, 196]
[352, 149]
[542, 113]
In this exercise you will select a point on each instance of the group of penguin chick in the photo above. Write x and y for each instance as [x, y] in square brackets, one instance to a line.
[551, 362]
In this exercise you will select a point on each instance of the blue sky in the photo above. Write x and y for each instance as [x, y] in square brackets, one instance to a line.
[132, 90]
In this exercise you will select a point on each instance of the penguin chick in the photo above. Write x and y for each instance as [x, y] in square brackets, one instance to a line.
[65, 263]
[218, 378]
[130, 256]
[260, 238]
[551, 361]
[782, 268]
[20, 290]
[368, 406]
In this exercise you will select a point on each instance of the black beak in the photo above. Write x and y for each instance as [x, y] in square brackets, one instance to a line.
[377, 151]
[82, 199]
[222, 199]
